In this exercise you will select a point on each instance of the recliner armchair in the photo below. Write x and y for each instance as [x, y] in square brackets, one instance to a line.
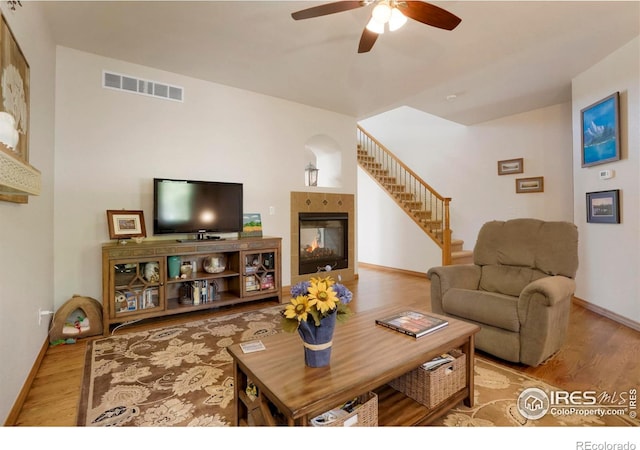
[518, 290]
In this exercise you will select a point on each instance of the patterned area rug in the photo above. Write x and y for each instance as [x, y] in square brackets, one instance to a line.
[183, 376]
[173, 376]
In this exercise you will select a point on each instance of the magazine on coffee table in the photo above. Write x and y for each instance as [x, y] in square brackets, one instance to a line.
[413, 323]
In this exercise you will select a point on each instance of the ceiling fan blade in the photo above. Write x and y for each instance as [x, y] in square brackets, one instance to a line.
[328, 8]
[367, 40]
[429, 14]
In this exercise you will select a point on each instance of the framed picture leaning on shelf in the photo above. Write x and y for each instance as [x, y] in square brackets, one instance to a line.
[125, 224]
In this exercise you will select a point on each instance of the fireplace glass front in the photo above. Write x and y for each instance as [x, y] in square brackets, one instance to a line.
[323, 241]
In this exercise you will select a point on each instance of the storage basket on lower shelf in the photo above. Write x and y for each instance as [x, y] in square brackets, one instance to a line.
[432, 387]
[364, 415]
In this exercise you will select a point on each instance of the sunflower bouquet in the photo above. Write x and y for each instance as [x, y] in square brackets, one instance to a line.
[311, 301]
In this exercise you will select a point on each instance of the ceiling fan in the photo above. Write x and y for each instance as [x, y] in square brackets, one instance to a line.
[386, 12]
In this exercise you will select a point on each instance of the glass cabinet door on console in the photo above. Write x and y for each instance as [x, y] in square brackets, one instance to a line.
[259, 272]
[136, 287]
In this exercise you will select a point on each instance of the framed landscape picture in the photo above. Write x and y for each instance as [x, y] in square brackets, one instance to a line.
[600, 125]
[603, 206]
[251, 225]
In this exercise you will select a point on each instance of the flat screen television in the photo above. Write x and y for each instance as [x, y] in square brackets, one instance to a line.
[190, 206]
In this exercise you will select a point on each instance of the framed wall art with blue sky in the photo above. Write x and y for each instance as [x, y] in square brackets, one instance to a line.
[600, 124]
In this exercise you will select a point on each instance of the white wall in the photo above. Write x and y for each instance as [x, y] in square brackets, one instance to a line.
[111, 144]
[26, 230]
[461, 162]
[609, 253]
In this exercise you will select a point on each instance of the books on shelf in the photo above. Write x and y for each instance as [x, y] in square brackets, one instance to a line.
[198, 292]
[413, 323]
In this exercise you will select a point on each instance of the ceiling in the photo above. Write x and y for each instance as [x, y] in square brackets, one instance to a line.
[504, 58]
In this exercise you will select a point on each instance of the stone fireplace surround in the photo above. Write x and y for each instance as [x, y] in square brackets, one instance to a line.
[313, 202]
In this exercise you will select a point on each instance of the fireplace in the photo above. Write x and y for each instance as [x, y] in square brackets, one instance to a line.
[328, 227]
[323, 241]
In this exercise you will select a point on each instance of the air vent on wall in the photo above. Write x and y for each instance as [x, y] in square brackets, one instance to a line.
[111, 80]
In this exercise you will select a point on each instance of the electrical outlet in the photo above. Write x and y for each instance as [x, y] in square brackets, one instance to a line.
[42, 314]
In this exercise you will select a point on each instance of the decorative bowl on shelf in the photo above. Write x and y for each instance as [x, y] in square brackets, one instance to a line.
[214, 264]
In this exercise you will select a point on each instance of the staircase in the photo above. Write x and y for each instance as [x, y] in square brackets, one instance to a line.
[428, 209]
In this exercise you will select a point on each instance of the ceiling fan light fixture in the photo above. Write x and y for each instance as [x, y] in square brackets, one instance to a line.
[375, 27]
[397, 19]
[381, 13]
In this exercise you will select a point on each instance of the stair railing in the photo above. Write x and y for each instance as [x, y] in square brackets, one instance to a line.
[426, 207]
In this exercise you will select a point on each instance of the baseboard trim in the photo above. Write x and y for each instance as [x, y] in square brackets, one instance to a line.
[608, 314]
[12, 418]
[392, 269]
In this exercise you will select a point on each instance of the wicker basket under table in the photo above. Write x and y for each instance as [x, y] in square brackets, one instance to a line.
[432, 387]
[367, 413]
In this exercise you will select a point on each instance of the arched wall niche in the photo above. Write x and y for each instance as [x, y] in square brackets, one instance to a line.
[325, 153]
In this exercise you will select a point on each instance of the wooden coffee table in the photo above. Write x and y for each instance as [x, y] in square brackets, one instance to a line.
[365, 357]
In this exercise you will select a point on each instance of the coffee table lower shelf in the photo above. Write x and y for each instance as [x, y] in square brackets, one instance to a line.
[396, 409]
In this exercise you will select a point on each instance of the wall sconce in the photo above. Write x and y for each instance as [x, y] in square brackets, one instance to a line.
[311, 175]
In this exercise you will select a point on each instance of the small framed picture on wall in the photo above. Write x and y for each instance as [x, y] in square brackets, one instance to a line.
[509, 166]
[603, 206]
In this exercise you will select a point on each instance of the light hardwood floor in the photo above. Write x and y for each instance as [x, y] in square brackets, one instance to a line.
[599, 354]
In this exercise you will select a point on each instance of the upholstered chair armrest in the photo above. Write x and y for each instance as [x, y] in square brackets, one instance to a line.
[543, 312]
[547, 290]
[443, 278]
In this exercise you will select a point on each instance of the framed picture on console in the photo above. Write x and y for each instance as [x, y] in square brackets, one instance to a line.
[600, 125]
[125, 224]
[603, 206]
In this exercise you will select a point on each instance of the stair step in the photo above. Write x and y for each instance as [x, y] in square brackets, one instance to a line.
[413, 204]
[371, 165]
[462, 257]
[396, 187]
[433, 225]
[421, 213]
[387, 180]
[457, 245]
[403, 195]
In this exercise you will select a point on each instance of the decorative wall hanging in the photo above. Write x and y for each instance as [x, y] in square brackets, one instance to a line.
[509, 166]
[600, 125]
[603, 206]
[18, 179]
[526, 185]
